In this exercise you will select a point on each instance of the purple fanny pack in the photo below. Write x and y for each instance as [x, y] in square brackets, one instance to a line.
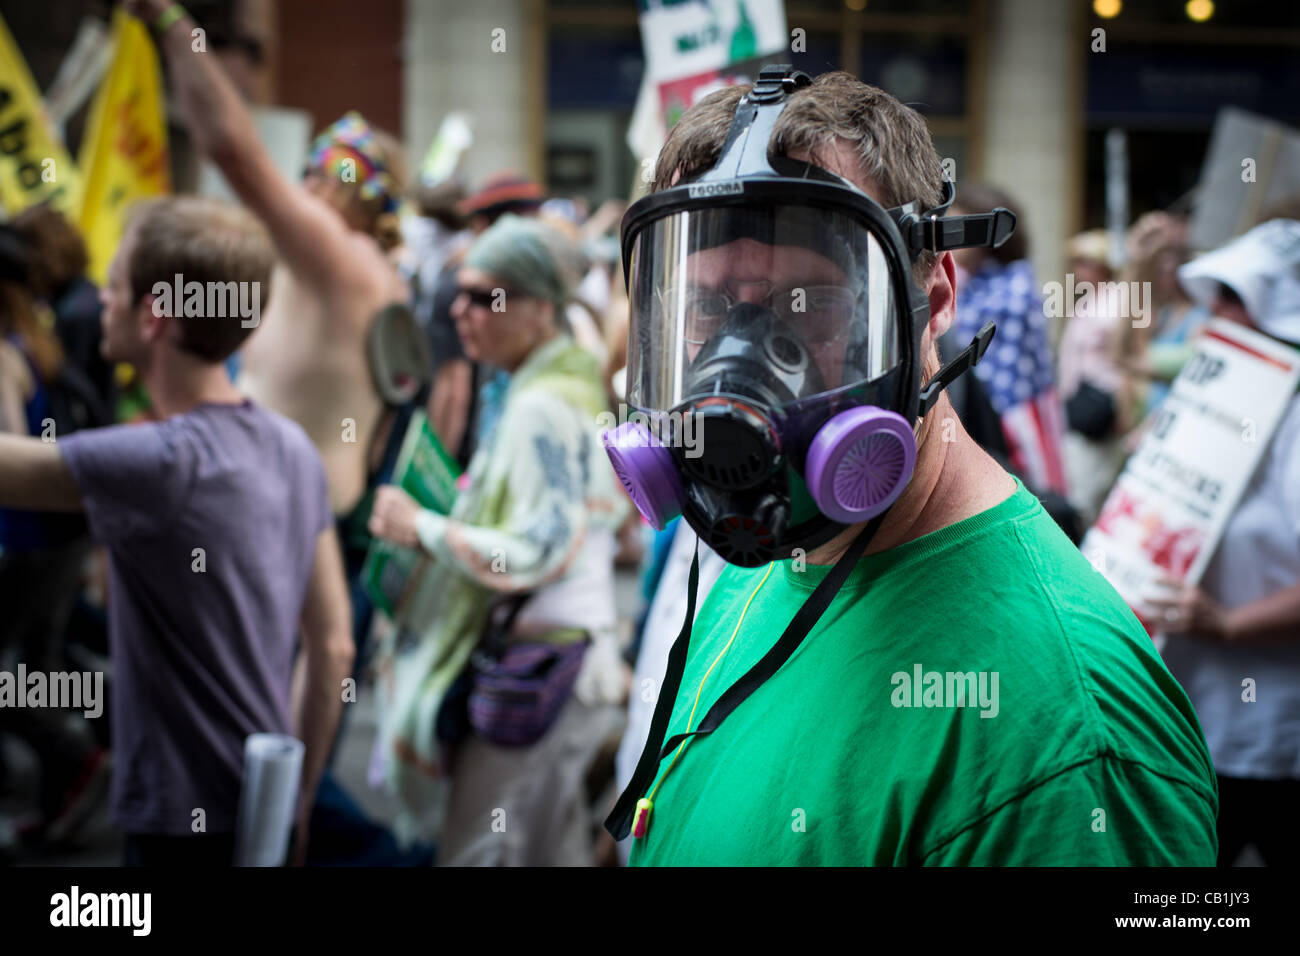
[516, 697]
[518, 689]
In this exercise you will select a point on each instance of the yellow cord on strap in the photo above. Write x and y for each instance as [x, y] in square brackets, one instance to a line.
[646, 804]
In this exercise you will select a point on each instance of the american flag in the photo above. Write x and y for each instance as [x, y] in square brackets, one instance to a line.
[1017, 369]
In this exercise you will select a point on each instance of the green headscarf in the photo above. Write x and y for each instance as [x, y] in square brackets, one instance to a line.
[527, 255]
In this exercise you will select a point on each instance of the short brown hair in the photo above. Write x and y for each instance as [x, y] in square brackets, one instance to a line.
[891, 141]
[201, 240]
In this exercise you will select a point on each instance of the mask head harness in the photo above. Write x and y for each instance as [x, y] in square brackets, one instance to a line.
[776, 322]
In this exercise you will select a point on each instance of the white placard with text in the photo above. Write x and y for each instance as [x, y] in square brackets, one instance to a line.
[1169, 506]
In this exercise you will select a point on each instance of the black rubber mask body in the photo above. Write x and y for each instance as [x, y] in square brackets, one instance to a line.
[742, 487]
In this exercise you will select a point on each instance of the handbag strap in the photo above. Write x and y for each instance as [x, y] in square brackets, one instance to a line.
[499, 623]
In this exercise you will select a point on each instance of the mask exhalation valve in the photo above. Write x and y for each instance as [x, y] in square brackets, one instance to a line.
[750, 540]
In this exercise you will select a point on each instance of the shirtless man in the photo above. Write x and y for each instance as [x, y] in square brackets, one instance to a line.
[310, 361]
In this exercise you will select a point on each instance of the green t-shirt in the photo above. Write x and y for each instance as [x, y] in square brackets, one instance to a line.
[1074, 746]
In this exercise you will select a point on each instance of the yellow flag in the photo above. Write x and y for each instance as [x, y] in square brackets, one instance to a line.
[34, 166]
[124, 153]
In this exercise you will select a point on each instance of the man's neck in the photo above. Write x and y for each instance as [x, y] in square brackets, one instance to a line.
[953, 480]
[178, 383]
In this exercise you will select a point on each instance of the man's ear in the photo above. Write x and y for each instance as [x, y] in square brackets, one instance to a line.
[942, 292]
[150, 320]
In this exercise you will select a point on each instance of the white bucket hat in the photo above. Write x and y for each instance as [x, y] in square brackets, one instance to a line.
[1263, 268]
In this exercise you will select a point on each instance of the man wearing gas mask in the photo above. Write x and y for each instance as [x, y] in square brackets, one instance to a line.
[905, 662]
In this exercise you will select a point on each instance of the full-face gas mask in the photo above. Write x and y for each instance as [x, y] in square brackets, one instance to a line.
[773, 306]
[776, 324]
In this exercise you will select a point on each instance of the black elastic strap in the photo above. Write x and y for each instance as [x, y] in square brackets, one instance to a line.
[934, 232]
[501, 618]
[798, 628]
[619, 823]
[967, 358]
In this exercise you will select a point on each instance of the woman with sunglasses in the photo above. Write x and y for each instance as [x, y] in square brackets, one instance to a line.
[532, 528]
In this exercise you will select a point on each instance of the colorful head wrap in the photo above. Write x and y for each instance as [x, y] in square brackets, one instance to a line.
[352, 138]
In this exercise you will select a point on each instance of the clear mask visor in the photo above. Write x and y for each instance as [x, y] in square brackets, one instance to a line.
[817, 276]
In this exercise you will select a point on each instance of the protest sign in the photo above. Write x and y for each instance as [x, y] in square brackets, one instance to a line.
[1169, 506]
[693, 42]
[428, 474]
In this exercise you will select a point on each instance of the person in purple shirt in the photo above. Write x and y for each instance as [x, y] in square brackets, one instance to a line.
[221, 543]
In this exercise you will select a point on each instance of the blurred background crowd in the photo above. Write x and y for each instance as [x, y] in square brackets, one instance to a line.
[509, 164]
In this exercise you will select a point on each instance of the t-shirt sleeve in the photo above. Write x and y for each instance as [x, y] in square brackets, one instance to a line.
[311, 479]
[132, 478]
[1106, 812]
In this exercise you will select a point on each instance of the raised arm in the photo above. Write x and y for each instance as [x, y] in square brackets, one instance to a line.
[309, 237]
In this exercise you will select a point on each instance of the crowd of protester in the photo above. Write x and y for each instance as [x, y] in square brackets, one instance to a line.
[273, 449]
